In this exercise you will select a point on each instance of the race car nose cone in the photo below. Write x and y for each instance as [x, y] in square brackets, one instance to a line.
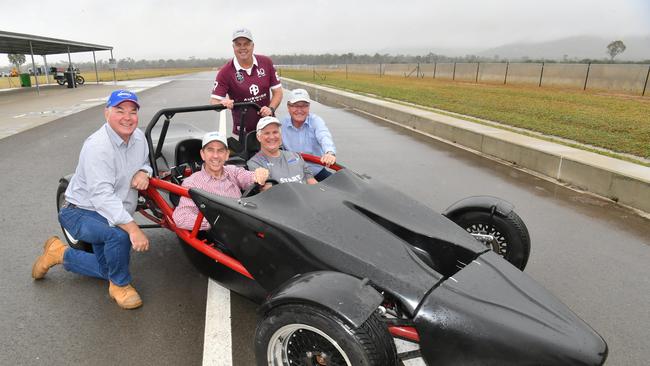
[490, 313]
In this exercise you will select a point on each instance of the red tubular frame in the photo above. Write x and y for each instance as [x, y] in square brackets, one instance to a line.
[190, 237]
[408, 333]
[316, 160]
[187, 236]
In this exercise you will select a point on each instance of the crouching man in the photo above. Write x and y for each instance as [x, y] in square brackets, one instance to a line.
[101, 200]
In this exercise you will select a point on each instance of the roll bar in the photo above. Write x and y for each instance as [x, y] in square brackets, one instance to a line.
[169, 113]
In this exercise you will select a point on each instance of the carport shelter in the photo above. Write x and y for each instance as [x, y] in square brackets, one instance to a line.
[28, 44]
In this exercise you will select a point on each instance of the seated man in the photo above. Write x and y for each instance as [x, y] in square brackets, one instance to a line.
[284, 166]
[215, 177]
[305, 132]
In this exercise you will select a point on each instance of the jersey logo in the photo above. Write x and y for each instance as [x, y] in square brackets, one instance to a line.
[260, 73]
[239, 76]
[295, 178]
[254, 89]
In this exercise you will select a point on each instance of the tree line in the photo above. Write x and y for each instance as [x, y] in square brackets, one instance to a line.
[326, 59]
[613, 49]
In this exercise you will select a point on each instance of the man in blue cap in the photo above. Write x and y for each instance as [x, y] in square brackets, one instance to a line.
[101, 200]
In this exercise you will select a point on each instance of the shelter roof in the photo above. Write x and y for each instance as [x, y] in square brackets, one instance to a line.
[19, 43]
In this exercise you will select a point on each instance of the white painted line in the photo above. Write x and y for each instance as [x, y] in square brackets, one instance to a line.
[222, 122]
[217, 341]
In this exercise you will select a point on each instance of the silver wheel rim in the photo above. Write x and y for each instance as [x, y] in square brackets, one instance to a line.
[277, 349]
[498, 244]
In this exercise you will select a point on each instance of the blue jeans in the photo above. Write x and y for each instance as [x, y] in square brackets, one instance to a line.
[111, 246]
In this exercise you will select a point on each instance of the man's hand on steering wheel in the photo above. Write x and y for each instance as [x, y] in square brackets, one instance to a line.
[261, 175]
[256, 187]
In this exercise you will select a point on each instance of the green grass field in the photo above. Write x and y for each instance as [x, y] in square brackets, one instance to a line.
[620, 123]
[107, 75]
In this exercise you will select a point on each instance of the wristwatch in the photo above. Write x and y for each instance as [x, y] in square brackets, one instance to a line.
[146, 172]
[272, 110]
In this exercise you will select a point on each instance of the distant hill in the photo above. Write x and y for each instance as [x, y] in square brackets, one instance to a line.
[575, 48]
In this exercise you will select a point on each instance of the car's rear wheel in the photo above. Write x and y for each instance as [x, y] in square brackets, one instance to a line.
[60, 200]
[509, 235]
[299, 334]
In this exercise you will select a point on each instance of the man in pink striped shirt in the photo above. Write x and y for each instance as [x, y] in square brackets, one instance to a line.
[215, 177]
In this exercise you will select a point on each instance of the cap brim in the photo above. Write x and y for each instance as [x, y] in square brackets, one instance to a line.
[223, 142]
[267, 124]
[125, 100]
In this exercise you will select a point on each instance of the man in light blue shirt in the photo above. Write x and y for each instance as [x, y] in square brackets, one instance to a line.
[306, 132]
[101, 200]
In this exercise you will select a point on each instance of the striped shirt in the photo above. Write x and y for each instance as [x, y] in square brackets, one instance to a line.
[230, 184]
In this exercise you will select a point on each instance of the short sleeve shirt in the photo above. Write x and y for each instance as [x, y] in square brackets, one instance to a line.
[253, 85]
[288, 167]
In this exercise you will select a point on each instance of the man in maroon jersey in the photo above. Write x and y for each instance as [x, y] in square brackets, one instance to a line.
[247, 78]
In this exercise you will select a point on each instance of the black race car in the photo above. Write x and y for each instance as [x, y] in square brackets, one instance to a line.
[343, 268]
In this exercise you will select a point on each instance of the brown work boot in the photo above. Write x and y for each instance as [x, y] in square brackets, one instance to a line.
[52, 255]
[125, 296]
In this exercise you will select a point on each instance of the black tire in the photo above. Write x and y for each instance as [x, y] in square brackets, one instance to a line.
[60, 81]
[60, 200]
[80, 80]
[510, 232]
[299, 334]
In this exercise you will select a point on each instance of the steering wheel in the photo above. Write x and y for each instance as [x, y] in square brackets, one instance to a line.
[255, 188]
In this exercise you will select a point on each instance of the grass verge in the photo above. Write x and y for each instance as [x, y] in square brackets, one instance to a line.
[107, 75]
[620, 123]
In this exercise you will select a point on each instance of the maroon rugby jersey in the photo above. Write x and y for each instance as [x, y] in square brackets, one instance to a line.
[233, 80]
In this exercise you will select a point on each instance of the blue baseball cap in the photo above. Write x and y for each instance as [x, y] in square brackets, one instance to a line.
[120, 96]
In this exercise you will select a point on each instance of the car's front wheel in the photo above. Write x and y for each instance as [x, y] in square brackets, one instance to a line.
[505, 235]
[299, 334]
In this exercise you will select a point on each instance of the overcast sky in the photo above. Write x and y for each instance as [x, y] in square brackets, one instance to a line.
[154, 29]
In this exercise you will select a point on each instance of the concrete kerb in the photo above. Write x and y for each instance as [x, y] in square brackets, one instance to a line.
[624, 182]
[31, 89]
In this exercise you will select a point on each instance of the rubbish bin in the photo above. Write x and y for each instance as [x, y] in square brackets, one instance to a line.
[69, 78]
[25, 80]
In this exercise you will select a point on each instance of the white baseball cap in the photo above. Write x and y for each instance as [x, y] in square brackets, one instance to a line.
[265, 121]
[214, 136]
[242, 32]
[299, 95]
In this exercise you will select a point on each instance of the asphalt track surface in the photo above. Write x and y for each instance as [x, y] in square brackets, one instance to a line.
[590, 253]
